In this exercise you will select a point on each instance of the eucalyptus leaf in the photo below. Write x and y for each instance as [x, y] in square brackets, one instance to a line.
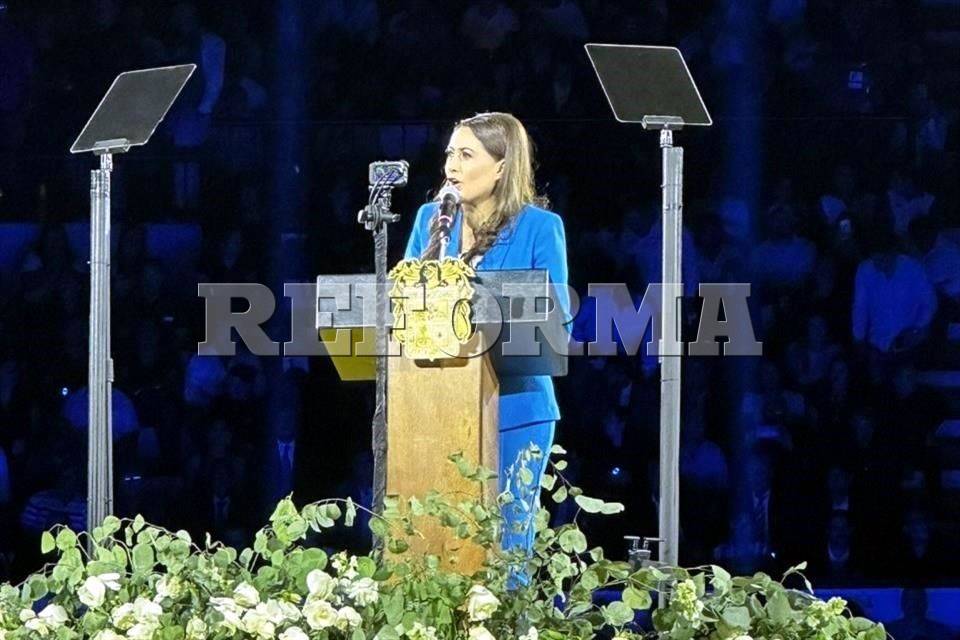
[47, 542]
[332, 511]
[111, 524]
[387, 632]
[143, 557]
[778, 608]
[720, 579]
[66, 539]
[573, 541]
[38, 587]
[589, 580]
[738, 617]
[610, 508]
[393, 608]
[637, 598]
[548, 481]
[378, 527]
[590, 505]
[617, 614]
[366, 567]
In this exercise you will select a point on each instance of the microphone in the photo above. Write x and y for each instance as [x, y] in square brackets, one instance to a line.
[449, 198]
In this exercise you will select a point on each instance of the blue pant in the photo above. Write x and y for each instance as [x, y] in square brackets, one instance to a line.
[512, 442]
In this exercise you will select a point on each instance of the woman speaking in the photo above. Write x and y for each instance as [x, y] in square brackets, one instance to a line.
[500, 226]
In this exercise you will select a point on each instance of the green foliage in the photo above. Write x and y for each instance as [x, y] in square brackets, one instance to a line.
[130, 579]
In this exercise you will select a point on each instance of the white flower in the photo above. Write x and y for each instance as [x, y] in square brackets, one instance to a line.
[320, 614]
[108, 634]
[36, 624]
[481, 604]
[363, 592]
[122, 617]
[110, 580]
[257, 623]
[53, 615]
[32, 622]
[346, 567]
[320, 584]
[146, 611]
[273, 611]
[230, 611]
[480, 633]
[347, 617]
[743, 637]
[196, 629]
[246, 595]
[143, 630]
[288, 610]
[168, 587]
[294, 633]
[420, 632]
[92, 592]
[531, 634]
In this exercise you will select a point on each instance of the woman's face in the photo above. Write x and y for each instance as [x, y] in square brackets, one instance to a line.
[470, 168]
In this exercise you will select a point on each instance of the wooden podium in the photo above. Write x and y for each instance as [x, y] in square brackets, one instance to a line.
[440, 407]
[435, 409]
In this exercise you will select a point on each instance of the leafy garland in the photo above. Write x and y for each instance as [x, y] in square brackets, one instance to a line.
[131, 580]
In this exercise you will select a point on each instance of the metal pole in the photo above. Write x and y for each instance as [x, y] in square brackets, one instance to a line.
[379, 427]
[375, 217]
[670, 349]
[100, 365]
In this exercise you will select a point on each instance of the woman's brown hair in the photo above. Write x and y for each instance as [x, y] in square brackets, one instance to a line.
[505, 138]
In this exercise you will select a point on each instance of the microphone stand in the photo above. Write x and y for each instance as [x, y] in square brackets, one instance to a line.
[444, 239]
[375, 217]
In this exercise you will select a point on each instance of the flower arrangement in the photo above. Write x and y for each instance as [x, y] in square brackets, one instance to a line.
[127, 579]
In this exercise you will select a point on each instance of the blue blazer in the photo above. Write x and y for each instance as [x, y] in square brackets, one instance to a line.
[534, 239]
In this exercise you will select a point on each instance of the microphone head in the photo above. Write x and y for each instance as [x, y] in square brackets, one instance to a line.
[449, 192]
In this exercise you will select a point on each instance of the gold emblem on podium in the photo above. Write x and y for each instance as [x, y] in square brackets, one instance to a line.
[431, 306]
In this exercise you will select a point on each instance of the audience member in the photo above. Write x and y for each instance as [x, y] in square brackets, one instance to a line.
[190, 117]
[486, 24]
[893, 302]
[915, 625]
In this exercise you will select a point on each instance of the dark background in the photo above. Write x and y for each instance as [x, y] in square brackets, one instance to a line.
[828, 182]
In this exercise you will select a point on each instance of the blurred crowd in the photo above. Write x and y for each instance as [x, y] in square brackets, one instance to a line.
[834, 194]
